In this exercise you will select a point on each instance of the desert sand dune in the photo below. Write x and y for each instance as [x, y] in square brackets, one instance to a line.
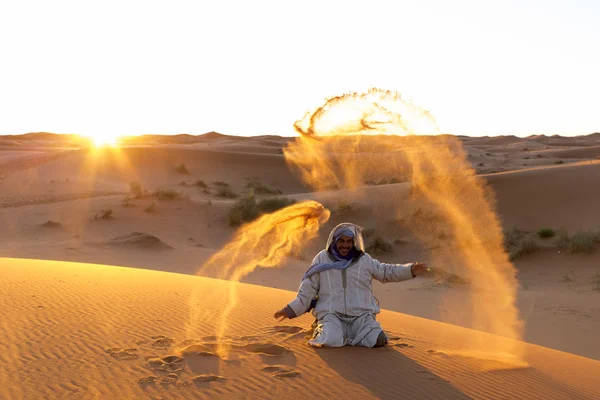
[562, 196]
[589, 152]
[78, 331]
[52, 203]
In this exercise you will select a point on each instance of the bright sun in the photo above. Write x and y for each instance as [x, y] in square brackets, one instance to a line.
[100, 139]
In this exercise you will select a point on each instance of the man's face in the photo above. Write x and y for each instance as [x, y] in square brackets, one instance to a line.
[344, 245]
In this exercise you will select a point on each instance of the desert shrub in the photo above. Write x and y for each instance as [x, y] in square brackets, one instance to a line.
[345, 206]
[562, 238]
[512, 237]
[151, 208]
[226, 192]
[127, 202]
[51, 224]
[559, 162]
[201, 184]
[221, 183]
[260, 188]
[272, 204]
[378, 245]
[104, 214]
[135, 188]
[546, 233]
[182, 169]
[518, 243]
[247, 209]
[583, 242]
[526, 246]
[368, 233]
[167, 194]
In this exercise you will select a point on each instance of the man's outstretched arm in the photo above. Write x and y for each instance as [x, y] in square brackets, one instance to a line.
[384, 272]
[309, 288]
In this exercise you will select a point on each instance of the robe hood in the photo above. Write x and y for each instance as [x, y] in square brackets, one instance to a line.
[357, 230]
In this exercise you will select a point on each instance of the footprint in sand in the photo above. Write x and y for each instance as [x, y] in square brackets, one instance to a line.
[438, 353]
[408, 346]
[281, 371]
[162, 341]
[208, 378]
[197, 350]
[285, 329]
[123, 354]
[169, 379]
[268, 349]
[168, 363]
[148, 380]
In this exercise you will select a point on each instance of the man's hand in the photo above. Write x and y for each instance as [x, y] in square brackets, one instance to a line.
[280, 315]
[419, 269]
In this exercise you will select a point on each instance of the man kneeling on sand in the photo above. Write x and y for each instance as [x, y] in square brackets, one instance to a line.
[338, 286]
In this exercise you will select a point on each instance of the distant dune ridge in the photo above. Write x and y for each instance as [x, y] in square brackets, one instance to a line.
[126, 330]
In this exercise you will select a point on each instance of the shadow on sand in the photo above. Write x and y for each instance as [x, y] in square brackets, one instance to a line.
[388, 374]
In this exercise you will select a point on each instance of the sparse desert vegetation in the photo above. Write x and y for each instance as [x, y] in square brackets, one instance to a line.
[546, 233]
[259, 187]
[226, 192]
[201, 184]
[151, 208]
[51, 224]
[378, 245]
[344, 206]
[583, 241]
[518, 243]
[167, 194]
[135, 188]
[104, 214]
[182, 169]
[247, 209]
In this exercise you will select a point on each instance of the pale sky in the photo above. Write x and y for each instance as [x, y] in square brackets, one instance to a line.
[255, 67]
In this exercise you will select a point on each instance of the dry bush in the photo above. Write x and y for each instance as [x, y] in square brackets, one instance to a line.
[247, 208]
[546, 233]
[167, 194]
[51, 224]
[378, 245]
[518, 243]
[135, 188]
[226, 192]
[583, 241]
[260, 188]
[151, 208]
[104, 214]
[182, 169]
[344, 206]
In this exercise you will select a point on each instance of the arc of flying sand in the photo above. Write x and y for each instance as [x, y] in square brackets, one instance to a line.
[265, 242]
[329, 151]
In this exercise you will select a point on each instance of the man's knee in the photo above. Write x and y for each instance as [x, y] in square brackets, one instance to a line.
[381, 340]
[328, 333]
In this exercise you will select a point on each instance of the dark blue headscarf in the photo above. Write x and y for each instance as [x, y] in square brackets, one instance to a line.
[341, 262]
